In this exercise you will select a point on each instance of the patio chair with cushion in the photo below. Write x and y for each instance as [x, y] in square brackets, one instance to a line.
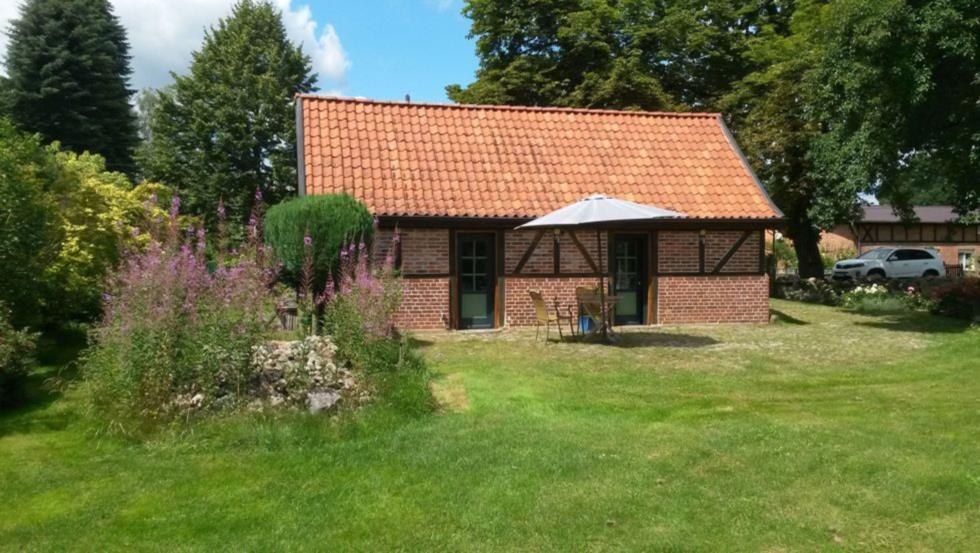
[547, 318]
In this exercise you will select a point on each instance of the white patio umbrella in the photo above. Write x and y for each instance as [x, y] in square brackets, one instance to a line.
[598, 211]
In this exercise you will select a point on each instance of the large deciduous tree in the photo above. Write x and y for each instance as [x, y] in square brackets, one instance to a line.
[770, 111]
[829, 99]
[897, 92]
[228, 127]
[68, 70]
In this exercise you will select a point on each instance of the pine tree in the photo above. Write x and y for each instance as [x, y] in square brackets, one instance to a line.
[228, 127]
[68, 68]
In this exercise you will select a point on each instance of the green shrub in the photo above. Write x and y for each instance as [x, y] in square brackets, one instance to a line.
[785, 254]
[331, 222]
[830, 257]
[16, 357]
[880, 298]
[64, 221]
[810, 290]
[960, 299]
[30, 232]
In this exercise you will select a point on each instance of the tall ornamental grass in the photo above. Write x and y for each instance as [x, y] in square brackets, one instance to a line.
[178, 329]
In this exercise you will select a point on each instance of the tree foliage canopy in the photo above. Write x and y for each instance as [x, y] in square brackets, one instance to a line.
[63, 220]
[68, 70]
[828, 98]
[228, 127]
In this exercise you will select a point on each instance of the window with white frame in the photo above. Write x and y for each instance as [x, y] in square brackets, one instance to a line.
[965, 260]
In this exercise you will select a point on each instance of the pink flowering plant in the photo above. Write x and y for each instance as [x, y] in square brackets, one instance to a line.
[178, 328]
[361, 302]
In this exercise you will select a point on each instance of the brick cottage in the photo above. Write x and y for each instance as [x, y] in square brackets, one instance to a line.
[455, 180]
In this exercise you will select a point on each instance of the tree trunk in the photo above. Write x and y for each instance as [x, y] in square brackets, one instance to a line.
[806, 240]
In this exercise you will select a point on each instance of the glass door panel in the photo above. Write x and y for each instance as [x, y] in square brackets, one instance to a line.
[629, 278]
[475, 266]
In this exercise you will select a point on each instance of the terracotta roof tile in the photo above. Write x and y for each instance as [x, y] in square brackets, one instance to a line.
[502, 161]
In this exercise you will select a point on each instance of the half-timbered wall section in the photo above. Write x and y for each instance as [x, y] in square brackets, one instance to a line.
[693, 276]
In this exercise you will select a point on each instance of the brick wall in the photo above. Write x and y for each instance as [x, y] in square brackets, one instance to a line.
[542, 260]
[572, 260]
[519, 310]
[381, 244]
[746, 258]
[679, 251]
[837, 239]
[516, 243]
[713, 299]
[425, 303]
[425, 251]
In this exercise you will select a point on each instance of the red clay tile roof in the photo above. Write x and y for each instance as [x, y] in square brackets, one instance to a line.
[499, 161]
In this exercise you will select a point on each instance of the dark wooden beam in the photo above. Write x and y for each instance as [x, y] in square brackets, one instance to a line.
[556, 255]
[652, 269]
[453, 283]
[499, 291]
[530, 251]
[583, 251]
[731, 252]
[702, 235]
[866, 234]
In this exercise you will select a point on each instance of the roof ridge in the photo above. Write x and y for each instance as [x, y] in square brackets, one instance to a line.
[555, 109]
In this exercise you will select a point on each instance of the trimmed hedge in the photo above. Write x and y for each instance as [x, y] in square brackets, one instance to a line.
[332, 220]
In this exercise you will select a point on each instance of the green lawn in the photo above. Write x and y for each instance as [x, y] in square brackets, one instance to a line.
[825, 430]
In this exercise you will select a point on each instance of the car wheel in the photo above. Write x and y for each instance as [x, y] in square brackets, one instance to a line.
[876, 275]
[931, 273]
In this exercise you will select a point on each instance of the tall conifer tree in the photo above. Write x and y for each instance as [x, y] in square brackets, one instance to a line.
[68, 68]
[228, 127]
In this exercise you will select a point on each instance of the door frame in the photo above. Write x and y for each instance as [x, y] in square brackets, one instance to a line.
[492, 276]
[643, 267]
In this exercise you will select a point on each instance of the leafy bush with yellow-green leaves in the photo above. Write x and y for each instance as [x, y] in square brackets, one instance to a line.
[64, 220]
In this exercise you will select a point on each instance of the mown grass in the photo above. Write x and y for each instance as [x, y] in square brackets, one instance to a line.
[825, 430]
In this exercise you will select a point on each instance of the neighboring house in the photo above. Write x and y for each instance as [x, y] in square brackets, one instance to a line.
[455, 180]
[958, 244]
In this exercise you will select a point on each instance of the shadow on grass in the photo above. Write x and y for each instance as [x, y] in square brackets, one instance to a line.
[57, 354]
[780, 317]
[915, 322]
[421, 344]
[652, 339]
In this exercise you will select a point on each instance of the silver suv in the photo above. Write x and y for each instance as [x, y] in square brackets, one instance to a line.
[882, 263]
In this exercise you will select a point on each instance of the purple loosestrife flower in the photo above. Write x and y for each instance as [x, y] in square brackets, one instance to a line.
[221, 210]
[174, 206]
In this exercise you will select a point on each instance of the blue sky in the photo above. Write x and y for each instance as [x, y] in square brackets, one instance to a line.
[398, 47]
[381, 49]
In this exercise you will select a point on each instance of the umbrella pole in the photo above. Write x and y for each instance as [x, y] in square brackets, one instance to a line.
[602, 288]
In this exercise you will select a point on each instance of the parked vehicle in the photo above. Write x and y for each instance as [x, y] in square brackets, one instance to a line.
[881, 263]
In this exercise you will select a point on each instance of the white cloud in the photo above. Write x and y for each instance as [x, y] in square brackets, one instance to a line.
[8, 12]
[441, 5]
[163, 33]
[329, 59]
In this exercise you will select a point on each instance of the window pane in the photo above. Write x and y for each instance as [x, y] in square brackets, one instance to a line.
[473, 306]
